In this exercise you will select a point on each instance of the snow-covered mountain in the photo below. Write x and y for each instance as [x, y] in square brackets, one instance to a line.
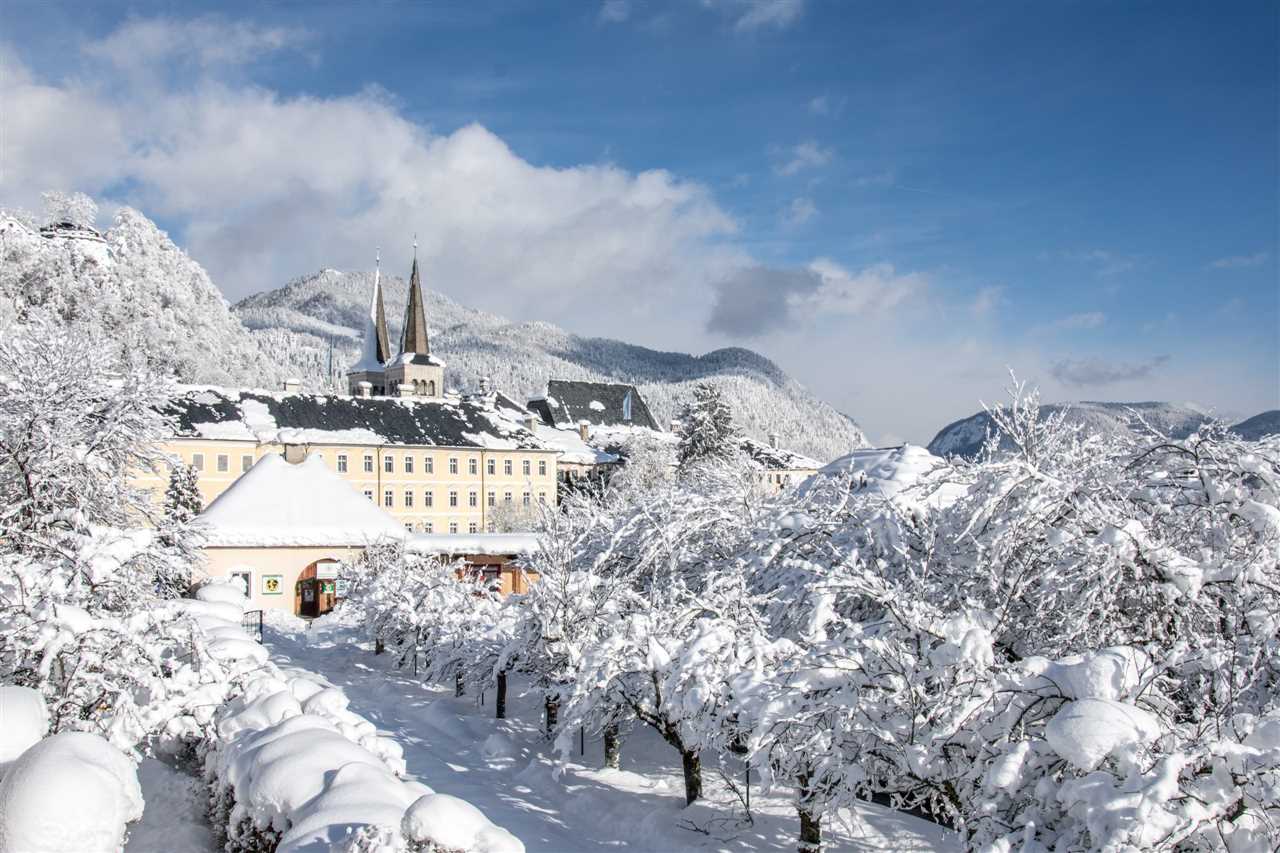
[308, 314]
[1258, 426]
[1177, 420]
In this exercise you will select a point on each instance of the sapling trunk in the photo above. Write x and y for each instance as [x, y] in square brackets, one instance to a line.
[692, 764]
[810, 820]
[500, 705]
[612, 747]
[553, 715]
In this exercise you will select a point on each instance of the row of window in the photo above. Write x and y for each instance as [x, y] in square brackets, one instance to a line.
[428, 527]
[222, 461]
[473, 498]
[428, 465]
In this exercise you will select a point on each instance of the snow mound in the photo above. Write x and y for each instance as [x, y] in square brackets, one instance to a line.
[892, 472]
[1085, 731]
[72, 770]
[24, 720]
[455, 824]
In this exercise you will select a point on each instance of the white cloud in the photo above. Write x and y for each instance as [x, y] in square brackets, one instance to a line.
[800, 211]
[615, 11]
[206, 41]
[876, 288]
[750, 15]
[267, 187]
[1239, 262]
[827, 105]
[1104, 261]
[805, 155]
[1093, 371]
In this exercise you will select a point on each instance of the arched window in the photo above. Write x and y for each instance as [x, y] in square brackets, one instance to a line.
[431, 387]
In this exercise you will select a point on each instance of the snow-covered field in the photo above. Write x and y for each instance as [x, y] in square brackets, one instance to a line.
[508, 769]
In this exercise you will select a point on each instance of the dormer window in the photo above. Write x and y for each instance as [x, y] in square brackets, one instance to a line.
[626, 407]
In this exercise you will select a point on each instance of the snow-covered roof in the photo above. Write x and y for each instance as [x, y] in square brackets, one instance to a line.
[495, 422]
[598, 403]
[279, 503]
[891, 470]
[777, 458]
[489, 544]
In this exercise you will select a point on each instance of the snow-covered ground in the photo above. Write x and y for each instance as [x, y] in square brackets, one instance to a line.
[507, 769]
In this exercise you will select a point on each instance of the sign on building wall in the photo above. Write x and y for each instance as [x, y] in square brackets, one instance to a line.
[273, 584]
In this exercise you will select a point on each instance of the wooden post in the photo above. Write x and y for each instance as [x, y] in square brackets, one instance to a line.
[458, 688]
[553, 714]
[582, 740]
[500, 705]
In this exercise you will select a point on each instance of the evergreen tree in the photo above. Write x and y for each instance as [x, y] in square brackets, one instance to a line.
[706, 428]
[182, 500]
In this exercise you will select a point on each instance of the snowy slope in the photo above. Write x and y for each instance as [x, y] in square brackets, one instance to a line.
[1176, 420]
[1258, 426]
[311, 312]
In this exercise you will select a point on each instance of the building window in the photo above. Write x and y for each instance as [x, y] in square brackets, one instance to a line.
[408, 525]
[342, 463]
[453, 497]
[197, 461]
[492, 526]
[388, 465]
[428, 499]
[246, 462]
[426, 527]
[473, 499]
[368, 493]
[408, 497]
[453, 527]
[368, 464]
[245, 579]
[473, 466]
[524, 499]
[428, 465]
[542, 467]
[492, 467]
[388, 498]
[493, 498]
[224, 463]
[408, 464]
[473, 528]
[506, 467]
[526, 468]
[453, 464]
[542, 497]
[506, 497]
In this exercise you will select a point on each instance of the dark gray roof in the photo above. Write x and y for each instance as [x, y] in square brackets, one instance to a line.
[452, 422]
[775, 458]
[598, 403]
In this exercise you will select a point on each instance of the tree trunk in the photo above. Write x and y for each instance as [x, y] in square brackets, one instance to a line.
[500, 706]
[692, 775]
[378, 646]
[553, 714]
[612, 747]
[458, 688]
[810, 823]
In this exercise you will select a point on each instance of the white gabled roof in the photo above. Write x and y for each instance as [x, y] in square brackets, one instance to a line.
[278, 503]
[459, 544]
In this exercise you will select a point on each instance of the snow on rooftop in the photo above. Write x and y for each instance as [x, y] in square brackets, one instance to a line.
[891, 471]
[278, 503]
[489, 544]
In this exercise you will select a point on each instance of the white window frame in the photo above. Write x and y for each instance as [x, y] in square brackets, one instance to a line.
[342, 463]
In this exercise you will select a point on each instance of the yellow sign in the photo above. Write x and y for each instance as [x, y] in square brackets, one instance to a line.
[272, 584]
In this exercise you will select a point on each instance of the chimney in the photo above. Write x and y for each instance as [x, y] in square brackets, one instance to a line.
[292, 385]
[484, 385]
[584, 429]
[531, 421]
[773, 440]
[364, 388]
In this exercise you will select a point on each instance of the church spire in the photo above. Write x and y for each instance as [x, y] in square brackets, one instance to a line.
[413, 339]
[377, 346]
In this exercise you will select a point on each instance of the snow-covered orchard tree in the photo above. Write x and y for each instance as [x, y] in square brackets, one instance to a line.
[705, 427]
[85, 555]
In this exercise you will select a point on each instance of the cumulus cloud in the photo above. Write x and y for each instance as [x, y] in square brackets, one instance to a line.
[1240, 262]
[265, 187]
[1097, 371]
[205, 41]
[756, 300]
[805, 155]
[826, 105]
[1104, 261]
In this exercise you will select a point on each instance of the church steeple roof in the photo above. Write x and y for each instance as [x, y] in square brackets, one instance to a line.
[414, 337]
[376, 350]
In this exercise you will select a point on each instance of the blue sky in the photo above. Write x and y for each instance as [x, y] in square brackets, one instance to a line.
[894, 201]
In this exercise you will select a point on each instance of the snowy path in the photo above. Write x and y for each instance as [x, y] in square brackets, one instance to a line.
[504, 767]
[173, 819]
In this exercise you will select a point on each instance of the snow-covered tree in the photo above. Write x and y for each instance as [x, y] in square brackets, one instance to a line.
[74, 208]
[705, 428]
[182, 498]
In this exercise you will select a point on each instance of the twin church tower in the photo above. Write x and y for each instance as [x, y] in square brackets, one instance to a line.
[414, 371]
